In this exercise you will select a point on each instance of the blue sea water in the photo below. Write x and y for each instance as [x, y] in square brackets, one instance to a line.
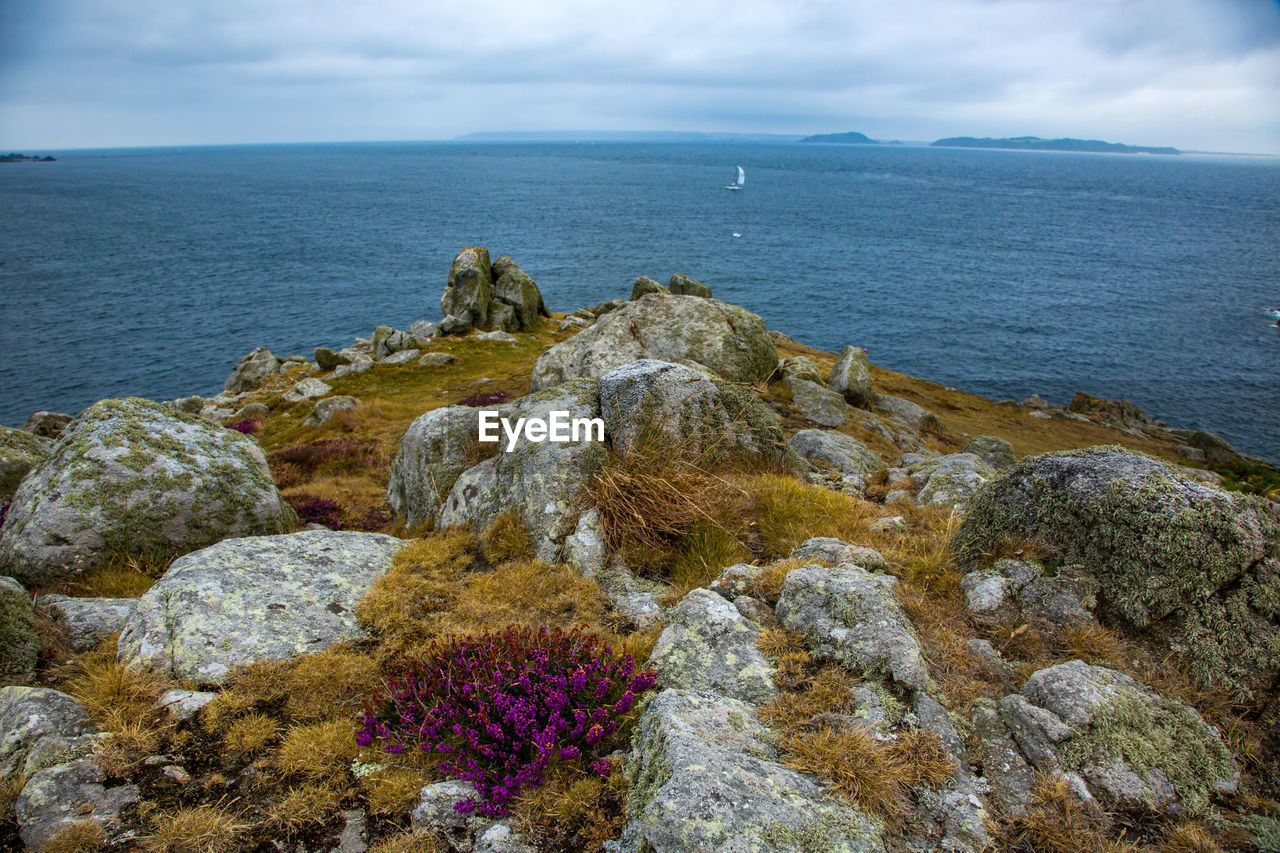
[150, 272]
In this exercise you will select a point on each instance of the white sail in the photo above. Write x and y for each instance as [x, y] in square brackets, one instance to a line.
[742, 177]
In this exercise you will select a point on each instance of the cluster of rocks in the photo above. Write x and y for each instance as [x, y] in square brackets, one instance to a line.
[481, 295]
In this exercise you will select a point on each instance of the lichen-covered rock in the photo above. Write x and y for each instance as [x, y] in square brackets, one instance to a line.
[20, 451]
[470, 288]
[46, 424]
[909, 414]
[851, 377]
[262, 598]
[88, 620]
[1136, 749]
[436, 448]
[729, 341]
[328, 359]
[652, 400]
[852, 616]
[184, 704]
[136, 476]
[800, 367]
[682, 285]
[58, 796]
[835, 450]
[1015, 589]
[1009, 777]
[437, 359]
[817, 403]
[1200, 565]
[306, 389]
[704, 777]
[19, 644]
[836, 552]
[644, 285]
[322, 411]
[993, 450]
[29, 715]
[540, 480]
[435, 812]
[709, 645]
[251, 371]
[512, 286]
[954, 480]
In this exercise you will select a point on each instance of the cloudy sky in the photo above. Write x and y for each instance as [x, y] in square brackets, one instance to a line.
[1200, 74]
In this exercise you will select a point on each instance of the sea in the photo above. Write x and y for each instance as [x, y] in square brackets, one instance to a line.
[149, 272]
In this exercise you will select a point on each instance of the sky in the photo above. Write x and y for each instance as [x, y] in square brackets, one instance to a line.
[1195, 74]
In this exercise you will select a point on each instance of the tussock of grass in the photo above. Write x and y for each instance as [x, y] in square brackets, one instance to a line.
[574, 812]
[250, 734]
[303, 690]
[768, 582]
[701, 556]
[393, 791]
[320, 752]
[1189, 837]
[826, 692]
[506, 538]
[525, 592]
[1058, 822]
[203, 829]
[305, 805]
[787, 511]
[121, 700]
[422, 583]
[410, 842]
[83, 836]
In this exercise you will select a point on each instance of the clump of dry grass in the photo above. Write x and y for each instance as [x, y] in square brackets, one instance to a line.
[828, 691]
[319, 752]
[422, 583]
[305, 805]
[573, 811]
[202, 829]
[83, 836]
[768, 581]
[393, 791]
[251, 734]
[305, 689]
[1058, 822]
[525, 592]
[701, 556]
[506, 538]
[1189, 837]
[416, 841]
[787, 511]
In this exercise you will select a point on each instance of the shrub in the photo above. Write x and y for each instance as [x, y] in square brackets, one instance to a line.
[330, 454]
[485, 398]
[497, 708]
[248, 426]
[313, 510]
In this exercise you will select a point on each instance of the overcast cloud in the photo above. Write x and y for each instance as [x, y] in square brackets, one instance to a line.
[87, 73]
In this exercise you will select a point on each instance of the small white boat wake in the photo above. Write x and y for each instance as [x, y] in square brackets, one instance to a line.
[1273, 313]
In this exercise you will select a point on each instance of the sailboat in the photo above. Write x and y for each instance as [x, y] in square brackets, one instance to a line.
[741, 182]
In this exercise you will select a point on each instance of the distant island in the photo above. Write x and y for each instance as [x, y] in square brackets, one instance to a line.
[850, 138]
[1035, 143]
[25, 158]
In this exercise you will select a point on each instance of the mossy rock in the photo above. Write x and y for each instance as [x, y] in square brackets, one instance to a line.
[132, 477]
[19, 645]
[20, 451]
[1200, 565]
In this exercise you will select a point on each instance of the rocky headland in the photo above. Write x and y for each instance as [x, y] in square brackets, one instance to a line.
[791, 602]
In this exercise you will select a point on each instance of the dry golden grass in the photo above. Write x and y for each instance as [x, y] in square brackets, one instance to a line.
[421, 584]
[393, 791]
[1058, 822]
[307, 689]
[251, 733]
[202, 829]
[701, 556]
[1096, 644]
[410, 842]
[305, 805]
[768, 582]
[83, 836]
[318, 752]
[1189, 837]
[525, 592]
[573, 811]
[787, 511]
[506, 538]
[825, 692]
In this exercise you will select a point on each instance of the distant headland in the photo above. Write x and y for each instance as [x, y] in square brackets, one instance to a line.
[25, 158]
[1035, 143]
[850, 138]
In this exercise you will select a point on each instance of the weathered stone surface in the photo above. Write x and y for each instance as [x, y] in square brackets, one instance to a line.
[890, 524]
[436, 448]
[322, 411]
[993, 450]
[403, 356]
[709, 645]
[20, 451]
[470, 288]
[89, 620]
[851, 377]
[836, 552]
[703, 777]
[816, 403]
[1200, 562]
[251, 371]
[19, 643]
[984, 592]
[31, 714]
[437, 359]
[500, 837]
[540, 480]
[909, 414]
[682, 285]
[514, 287]
[136, 476]
[954, 480]
[185, 704]
[644, 285]
[327, 359]
[852, 616]
[1136, 749]
[835, 450]
[262, 598]
[800, 367]
[62, 794]
[727, 340]
[306, 389]
[435, 811]
[46, 424]
[504, 337]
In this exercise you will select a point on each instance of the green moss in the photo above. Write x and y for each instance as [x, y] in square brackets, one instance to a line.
[19, 644]
[1154, 733]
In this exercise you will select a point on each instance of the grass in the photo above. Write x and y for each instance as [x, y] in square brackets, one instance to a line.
[318, 752]
[202, 829]
[83, 836]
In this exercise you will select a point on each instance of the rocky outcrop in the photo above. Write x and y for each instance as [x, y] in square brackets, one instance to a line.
[88, 621]
[727, 341]
[20, 451]
[19, 644]
[46, 424]
[908, 414]
[953, 480]
[1128, 746]
[835, 451]
[993, 450]
[682, 285]
[644, 285]
[851, 377]
[1023, 591]
[36, 726]
[251, 371]
[705, 776]
[135, 476]
[434, 451]
[817, 403]
[262, 598]
[1199, 565]
[482, 295]
[66, 793]
[709, 645]
[325, 409]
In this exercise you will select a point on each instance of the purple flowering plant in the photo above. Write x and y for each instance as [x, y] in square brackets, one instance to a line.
[248, 426]
[497, 708]
[318, 510]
